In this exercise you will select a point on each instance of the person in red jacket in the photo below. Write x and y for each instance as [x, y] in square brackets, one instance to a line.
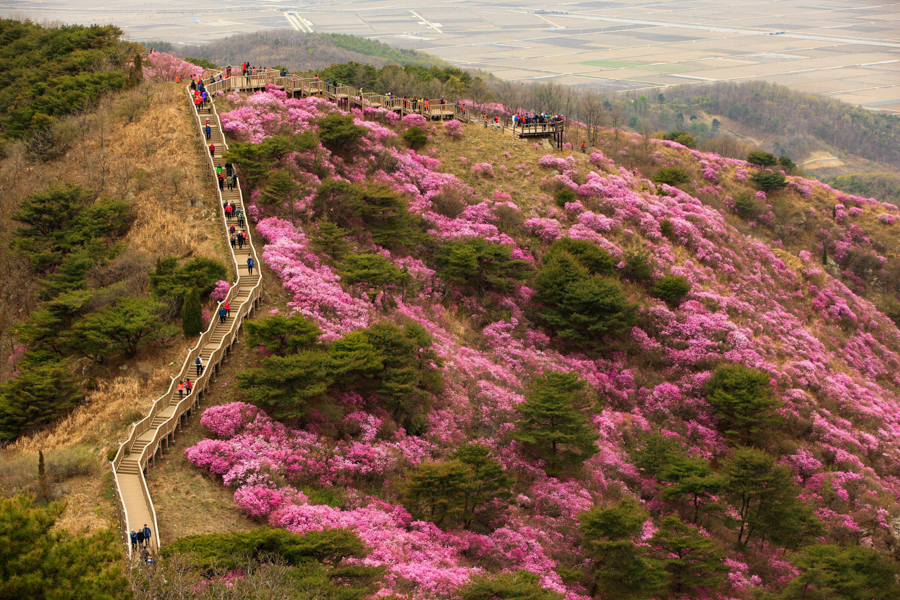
[212, 150]
[228, 308]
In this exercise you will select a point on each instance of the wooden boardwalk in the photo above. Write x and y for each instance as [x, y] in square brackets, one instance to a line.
[153, 434]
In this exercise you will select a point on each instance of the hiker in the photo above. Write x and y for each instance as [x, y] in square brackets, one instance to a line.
[222, 314]
[582, 147]
[250, 265]
[227, 71]
[484, 117]
[232, 229]
[133, 540]
[240, 218]
[140, 538]
[189, 386]
[233, 208]
[146, 534]
[221, 182]
[229, 170]
[198, 100]
[240, 238]
[208, 131]
[228, 308]
[193, 85]
[233, 242]
[180, 390]
[145, 556]
[229, 181]
[199, 363]
[212, 150]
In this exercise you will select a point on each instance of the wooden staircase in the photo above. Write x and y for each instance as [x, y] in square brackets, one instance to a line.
[153, 434]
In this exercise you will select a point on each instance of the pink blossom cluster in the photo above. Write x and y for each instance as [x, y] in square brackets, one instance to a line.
[220, 291]
[161, 65]
[453, 128]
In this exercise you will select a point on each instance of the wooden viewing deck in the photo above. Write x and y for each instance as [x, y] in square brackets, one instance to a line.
[153, 434]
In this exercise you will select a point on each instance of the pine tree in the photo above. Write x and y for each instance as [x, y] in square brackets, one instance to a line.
[329, 238]
[136, 72]
[850, 572]
[765, 497]
[744, 404]
[37, 395]
[283, 335]
[480, 265]
[37, 561]
[118, 328]
[192, 315]
[553, 423]
[589, 309]
[620, 568]
[488, 488]
[435, 491]
[515, 585]
[691, 560]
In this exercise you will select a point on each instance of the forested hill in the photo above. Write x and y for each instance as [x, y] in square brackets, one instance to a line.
[301, 51]
[49, 72]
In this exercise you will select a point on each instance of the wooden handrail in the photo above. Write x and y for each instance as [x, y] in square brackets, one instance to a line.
[168, 427]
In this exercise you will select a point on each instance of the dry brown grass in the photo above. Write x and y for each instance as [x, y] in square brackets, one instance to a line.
[156, 163]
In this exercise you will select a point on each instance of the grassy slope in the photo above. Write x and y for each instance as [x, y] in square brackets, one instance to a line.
[140, 159]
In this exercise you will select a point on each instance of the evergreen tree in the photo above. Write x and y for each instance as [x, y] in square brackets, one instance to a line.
[136, 72]
[37, 395]
[691, 560]
[415, 137]
[768, 181]
[516, 585]
[480, 265]
[762, 159]
[192, 314]
[744, 403]
[338, 133]
[284, 386]
[330, 239]
[843, 573]
[671, 289]
[765, 497]
[553, 424]
[692, 480]
[589, 309]
[621, 569]
[435, 491]
[39, 562]
[488, 486]
[283, 335]
[171, 280]
[374, 273]
[121, 327]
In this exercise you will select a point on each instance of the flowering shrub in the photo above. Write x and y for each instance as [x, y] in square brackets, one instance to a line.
[220, 292]
[453, 128]
[161, 65]
[414, 120]
[483, 169]
[886, 218]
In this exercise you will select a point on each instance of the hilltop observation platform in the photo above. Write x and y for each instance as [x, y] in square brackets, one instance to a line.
[348, 98]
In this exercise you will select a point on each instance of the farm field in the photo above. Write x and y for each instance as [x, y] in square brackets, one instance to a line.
[848, 50]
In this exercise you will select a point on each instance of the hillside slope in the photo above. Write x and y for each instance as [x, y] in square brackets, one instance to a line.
[752, 415]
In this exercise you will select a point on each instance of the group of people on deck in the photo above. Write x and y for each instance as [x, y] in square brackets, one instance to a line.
[535, 119]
